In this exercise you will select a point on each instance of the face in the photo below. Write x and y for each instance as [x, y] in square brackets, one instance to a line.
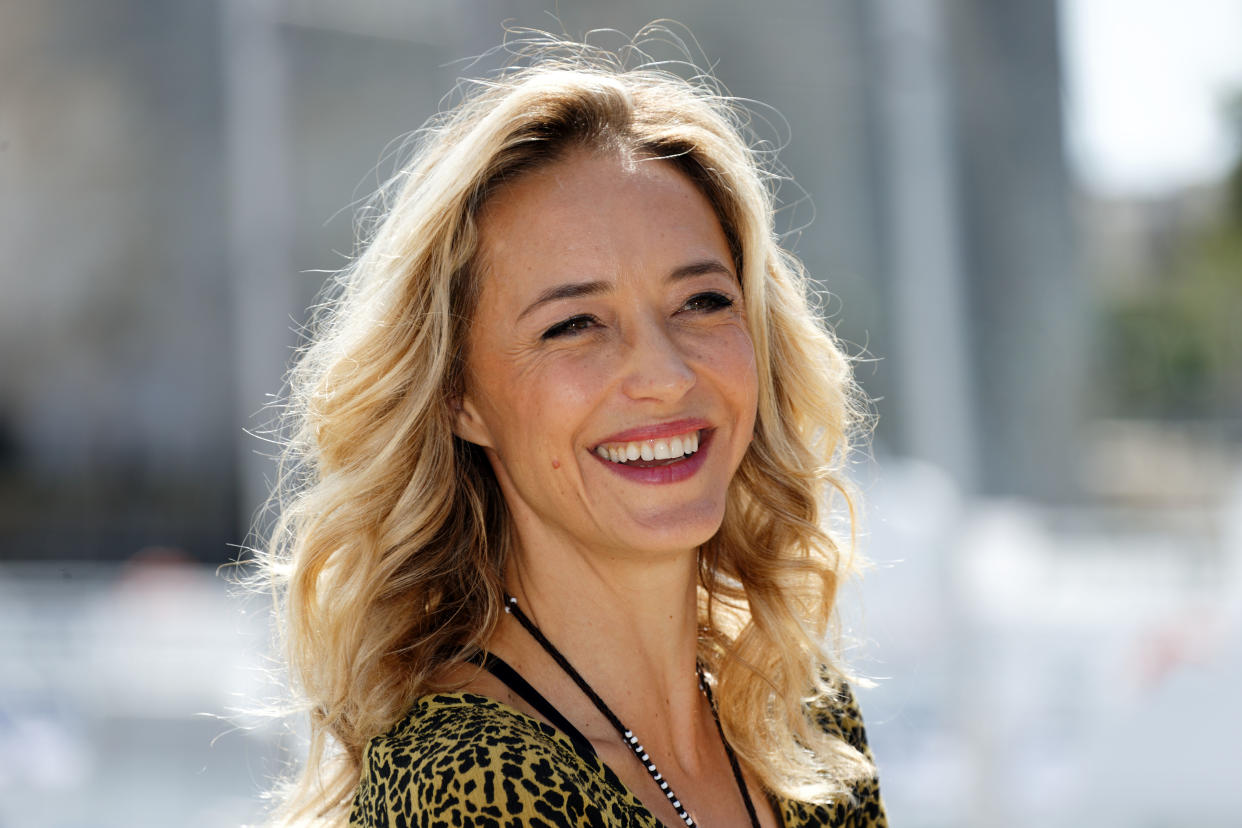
[610, 373]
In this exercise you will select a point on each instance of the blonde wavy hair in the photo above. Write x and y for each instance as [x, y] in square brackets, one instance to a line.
[391, 534]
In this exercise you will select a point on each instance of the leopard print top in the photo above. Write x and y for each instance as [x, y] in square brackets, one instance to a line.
[459, 759]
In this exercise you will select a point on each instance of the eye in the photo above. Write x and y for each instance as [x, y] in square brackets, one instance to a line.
[707, 302]
[571, 326]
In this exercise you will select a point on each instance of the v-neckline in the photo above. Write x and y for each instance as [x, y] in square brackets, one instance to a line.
[552, 731]
[610, 775]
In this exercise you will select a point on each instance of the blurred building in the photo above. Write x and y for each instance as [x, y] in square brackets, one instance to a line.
[178, 178]
[117, 398]
[1057, 511]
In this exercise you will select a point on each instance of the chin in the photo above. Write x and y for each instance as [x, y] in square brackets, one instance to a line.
[678, 530]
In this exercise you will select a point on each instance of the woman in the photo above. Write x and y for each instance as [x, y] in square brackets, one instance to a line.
[554, 552]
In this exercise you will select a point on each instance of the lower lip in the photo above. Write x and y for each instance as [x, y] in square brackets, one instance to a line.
[672, 473]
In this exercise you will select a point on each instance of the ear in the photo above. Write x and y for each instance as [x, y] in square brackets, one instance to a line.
[467, 424]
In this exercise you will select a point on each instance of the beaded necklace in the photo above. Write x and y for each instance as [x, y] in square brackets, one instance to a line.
[627, 735]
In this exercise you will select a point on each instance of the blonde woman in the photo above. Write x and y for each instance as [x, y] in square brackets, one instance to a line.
[556, 553]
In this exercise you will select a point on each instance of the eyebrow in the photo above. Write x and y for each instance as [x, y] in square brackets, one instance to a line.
[574, 290]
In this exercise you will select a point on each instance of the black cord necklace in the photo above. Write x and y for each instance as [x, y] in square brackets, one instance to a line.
[627, 735]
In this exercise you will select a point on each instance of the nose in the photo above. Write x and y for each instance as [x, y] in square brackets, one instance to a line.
[656, 366]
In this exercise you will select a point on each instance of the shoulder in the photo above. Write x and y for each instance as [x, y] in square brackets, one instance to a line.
[465, 757]
[840, 716]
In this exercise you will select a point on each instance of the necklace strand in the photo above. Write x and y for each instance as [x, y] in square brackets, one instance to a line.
[627, 735]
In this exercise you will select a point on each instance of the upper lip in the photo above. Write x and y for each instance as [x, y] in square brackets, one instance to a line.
[656, 431]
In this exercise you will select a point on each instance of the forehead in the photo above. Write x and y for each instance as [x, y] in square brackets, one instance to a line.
[594, 216]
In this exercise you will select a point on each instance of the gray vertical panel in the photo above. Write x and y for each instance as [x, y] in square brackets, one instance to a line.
[1028, 297]
[264, 302]
[930, 334]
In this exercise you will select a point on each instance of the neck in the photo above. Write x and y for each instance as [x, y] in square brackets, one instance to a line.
[641, 614]
[629, 626]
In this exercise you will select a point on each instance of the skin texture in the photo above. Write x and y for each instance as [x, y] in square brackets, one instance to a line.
[606, 563]
[637, 353]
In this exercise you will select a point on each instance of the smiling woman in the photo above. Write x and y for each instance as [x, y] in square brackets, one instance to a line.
[649, 347]
[553, 548]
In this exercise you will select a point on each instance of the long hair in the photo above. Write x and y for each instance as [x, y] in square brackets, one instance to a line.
[391, 533]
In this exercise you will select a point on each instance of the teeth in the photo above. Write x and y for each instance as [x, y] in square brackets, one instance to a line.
[663, 449]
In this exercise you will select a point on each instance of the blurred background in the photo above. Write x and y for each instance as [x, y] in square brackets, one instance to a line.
[1027, 214]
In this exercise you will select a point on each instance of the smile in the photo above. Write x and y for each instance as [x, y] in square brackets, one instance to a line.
[665, 449]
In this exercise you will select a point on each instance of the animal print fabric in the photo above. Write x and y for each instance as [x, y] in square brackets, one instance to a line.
[459, 760]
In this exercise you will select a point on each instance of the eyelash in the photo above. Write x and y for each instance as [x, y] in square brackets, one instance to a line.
[569, 326]
[718, 301]
[576, 324]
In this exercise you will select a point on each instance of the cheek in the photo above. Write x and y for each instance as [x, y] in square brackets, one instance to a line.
[733, 363]
[573, 382]
[543, 407]
[729, 354]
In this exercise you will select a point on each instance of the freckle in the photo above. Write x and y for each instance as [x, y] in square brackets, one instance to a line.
[556, 464]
